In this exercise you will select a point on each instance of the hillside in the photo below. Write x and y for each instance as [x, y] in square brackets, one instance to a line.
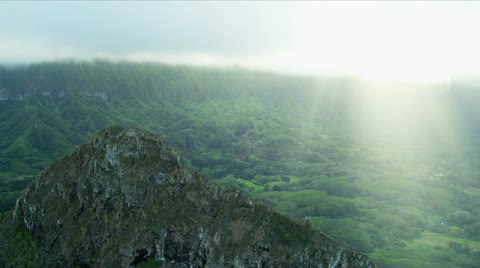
[125, 199]
[292, 143]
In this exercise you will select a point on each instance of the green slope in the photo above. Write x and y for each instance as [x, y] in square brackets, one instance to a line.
[291, 142]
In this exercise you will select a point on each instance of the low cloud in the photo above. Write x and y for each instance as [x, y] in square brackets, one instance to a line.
[379, 40]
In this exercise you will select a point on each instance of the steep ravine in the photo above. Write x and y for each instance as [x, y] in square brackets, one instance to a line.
[126, 199]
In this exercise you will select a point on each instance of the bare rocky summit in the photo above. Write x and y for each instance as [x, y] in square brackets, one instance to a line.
[126, 199]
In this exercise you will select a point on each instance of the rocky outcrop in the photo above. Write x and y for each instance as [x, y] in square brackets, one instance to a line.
[126, 199]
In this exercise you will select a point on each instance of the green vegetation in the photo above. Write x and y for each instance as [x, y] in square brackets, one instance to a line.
[290, 142]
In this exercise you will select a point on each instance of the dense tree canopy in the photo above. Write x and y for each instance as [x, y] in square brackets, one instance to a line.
[290, 142]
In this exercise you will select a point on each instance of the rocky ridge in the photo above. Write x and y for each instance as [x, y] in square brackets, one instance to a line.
[126, 199]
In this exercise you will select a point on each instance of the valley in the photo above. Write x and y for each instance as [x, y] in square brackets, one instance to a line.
[398, 182]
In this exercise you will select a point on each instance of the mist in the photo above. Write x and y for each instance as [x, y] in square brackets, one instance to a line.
[357, 118]
[419, 41]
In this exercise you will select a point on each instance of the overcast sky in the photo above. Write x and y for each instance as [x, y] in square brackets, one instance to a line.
[398, 40]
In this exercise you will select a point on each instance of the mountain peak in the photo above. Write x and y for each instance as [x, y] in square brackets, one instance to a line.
[126, 199]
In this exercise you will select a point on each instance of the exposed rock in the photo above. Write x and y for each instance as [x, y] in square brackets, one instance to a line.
[126, 199]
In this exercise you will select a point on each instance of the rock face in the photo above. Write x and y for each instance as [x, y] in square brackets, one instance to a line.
[126, 199]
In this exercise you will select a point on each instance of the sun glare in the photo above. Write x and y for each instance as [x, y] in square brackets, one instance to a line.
[421, 42]
[394, 120]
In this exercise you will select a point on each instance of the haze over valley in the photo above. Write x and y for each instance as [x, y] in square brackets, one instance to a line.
[357, 120]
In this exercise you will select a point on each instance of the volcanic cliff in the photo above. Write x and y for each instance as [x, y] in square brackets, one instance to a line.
[127, 199]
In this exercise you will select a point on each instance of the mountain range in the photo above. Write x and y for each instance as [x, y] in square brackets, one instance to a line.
[405, 197]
